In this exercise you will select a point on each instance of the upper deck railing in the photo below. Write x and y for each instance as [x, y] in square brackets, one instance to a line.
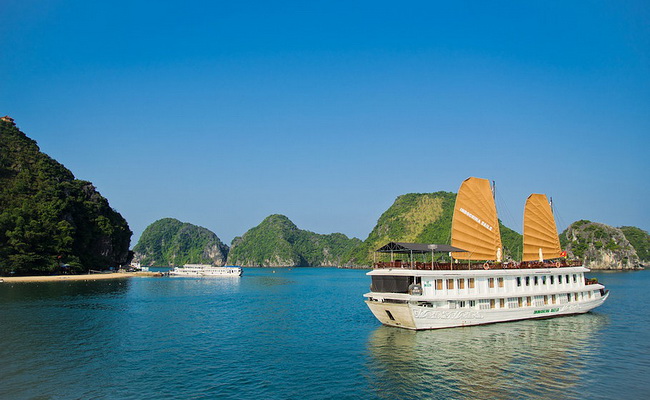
[475, 266]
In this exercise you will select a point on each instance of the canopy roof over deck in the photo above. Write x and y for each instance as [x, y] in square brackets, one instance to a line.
[416, 248]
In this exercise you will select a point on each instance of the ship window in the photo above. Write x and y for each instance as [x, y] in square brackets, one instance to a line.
[575, 278]
[544, 280]
[519, 302]
[500, 280]
[519, 281]
[552, 279]
[559, 279]
[502, 303]
[418, 280]
[470, 283]
[491, 282]
[512, 302]
[528, 301]
[553, 299]
[567, 278]
[462, 304]
[536, 280]
[568, 297]
[452, 305]
[461, 284]
[438, 284]
[484, 304]
[391, 284]
[472, 303]
[589, 294]
[545, 299]
[450, 283]
[492, 303]
[575, 296]
[390, 315]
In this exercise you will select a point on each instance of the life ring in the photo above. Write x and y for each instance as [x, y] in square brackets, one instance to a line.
[486, 266]
[415, 289]
[557, 264]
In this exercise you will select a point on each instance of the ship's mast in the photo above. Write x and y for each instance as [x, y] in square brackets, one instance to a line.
[494, 194]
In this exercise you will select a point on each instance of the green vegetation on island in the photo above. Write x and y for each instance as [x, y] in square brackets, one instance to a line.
[277, 241]
[49, 221]
[170, 242]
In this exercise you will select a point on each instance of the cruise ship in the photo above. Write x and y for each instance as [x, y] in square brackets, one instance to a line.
[205, 270]
[474, 285]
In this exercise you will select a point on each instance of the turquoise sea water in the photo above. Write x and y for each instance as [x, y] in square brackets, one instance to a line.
[303, 334]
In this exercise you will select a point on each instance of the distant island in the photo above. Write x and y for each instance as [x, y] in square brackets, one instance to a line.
[170, 242]
[51, 222]
[601, 246]
[277, 241]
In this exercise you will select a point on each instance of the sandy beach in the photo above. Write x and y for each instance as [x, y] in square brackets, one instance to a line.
[51, 278]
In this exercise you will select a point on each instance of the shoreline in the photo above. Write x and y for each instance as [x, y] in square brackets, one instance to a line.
[55, 278]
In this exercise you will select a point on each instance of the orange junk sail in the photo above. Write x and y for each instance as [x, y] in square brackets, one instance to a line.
[475, 226]
[540, 234]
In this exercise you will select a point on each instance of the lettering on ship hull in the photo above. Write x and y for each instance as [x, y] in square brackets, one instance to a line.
[429, 314]
[546, 311]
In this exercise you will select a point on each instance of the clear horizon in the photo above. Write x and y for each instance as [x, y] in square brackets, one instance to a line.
[221, 114]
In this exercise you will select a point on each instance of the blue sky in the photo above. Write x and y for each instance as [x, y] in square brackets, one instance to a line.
[222, 113]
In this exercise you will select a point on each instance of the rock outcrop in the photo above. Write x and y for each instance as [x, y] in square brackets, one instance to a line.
[599, 246]
[170, 242]
[640, 240]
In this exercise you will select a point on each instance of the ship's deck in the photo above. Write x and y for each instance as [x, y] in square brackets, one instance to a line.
[473, 266]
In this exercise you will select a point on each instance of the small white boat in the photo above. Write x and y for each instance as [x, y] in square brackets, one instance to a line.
[205, 270]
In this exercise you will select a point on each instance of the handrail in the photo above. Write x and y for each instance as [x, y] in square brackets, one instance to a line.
[476, 266]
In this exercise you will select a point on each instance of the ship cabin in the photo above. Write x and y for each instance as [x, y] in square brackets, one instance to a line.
[418, 269]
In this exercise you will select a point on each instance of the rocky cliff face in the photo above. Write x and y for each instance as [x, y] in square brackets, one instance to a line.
[599, 246]
[50, 221]
[640, 240]
[170, 242]
[277, 242]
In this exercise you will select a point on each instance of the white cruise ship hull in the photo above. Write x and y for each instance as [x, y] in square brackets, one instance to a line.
[447, 299]
[205, 270]
[415, 317]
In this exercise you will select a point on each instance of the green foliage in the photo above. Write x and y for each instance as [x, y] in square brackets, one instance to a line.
[48, 218]
[512, 242]
[639, 239]
[278, 242]
[170, 242]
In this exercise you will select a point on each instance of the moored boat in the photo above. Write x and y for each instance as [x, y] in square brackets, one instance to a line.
[205, 270]
[443, 294]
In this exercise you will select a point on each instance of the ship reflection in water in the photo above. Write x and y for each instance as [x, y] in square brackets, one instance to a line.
[539, 359]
